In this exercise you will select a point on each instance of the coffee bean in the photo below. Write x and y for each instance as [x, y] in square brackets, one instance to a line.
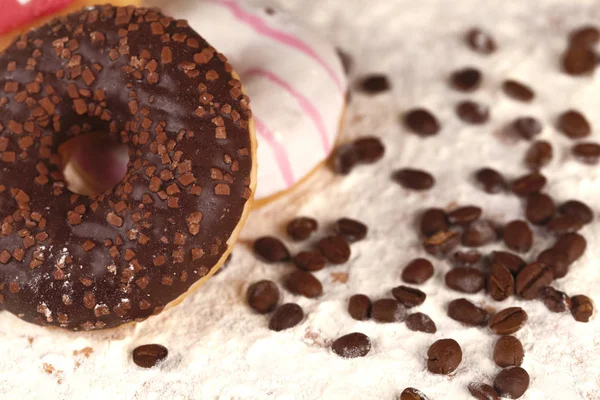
[466, 80]
[464, 215]
[539, 155]
[527, 127]
[286, 316]
[149, 355]
[578, 209]
[586, 36]
[263, 296]
[587, 153]
[582, 308]
[345, 158]
[351, 229]
[539, 208]
[529, 184]
[564, 224]
[433, 221]
[572, 244]
[508, 352]
[414, 179]
[472, 112]
[508, 321]
[370, 149]
[518, 91]
[512, 382]
[467, 313]
[301, 228]
[578, 60]
[346, 59]
[442, 243]
[412, 394]
[352, 345]
[417, 271]
[422, 122]
[480, 41]
[532, 279]
[388, 310]
[303, 283]
[555, 259]
[409, 297]
[518, 236]
[271, 249]
[465, 258]
[310, 260]
[335, 249]
[465, 279]
[420, 322]
[444, 356]
[481, 391]
[573, 124]
[374, 84]
[555, 300]
[511, 261]
[359, 307]
[490, 180]
[500, 283]
[479, 233]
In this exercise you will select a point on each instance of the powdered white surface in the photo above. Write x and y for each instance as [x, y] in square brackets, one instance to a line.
[219, 349]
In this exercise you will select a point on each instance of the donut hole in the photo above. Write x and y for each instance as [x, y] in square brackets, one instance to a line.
[93, 163]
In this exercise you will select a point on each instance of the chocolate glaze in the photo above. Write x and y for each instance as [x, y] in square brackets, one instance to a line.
[97, 262]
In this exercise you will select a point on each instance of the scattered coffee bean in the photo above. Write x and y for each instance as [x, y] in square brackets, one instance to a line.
[539, 155]
[303, 283]
[578, 60]
[374, 84]
[351, 229]
[582, 308]
[263, 296]
[286, 316]
[271, 249]
[412, 394]
[518, 236]
[422, 122]
[572, 244]
[464, 215]
[345, 158]
[417, 271]
[508, 352]
[518, 91]
[409, 297]
[352, 345]
[149, 355]
[480, 41]
[490, 180]
[555, 300]
[527, 127]
[420, 322]
[508, 321]
[481, 391]
[442, 243]
[587, 153]
[573, 124]
[467, 313]
[310, 260]
[335, 249]
[586, 36]
[414, 179]
[388, 310]
[444, 356]
[465, 258]
[557, 260]
[346, 59]
[301, 228]
[529, 184]
[500, 283]
[512, 382]
[532, 279]
[465, 279]
[511, 261]
[578, 209]
[370, 149]
[479, 233]
[539, 208]
[466, 80]
[472, 112]
[564, 224]
[433, 221]
[359, 307]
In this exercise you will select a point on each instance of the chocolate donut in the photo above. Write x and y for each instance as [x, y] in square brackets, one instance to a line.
[133, 74]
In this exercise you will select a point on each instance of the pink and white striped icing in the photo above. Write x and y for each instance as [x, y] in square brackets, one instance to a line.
[294, 78]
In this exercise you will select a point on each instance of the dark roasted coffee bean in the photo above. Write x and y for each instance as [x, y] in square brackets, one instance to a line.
[303, 283]
[532, 279]
[500, 283]
[573, 124]
[422, 122]
[512, 382]
[444, 356]
[263, 296]
[539, 155]
[417, 271]
[271, 249]
[351, 229]
[586, 36]
[465, 258]
[149, 355]
[587, 153]
[557, 260]
[464, 215]
[582, 308]
[555, 300]
[414, 179]
[409, 297]
[490, 180]
[388, 310]
[301, 228]
[374, 84]
[465, 279]
[539, 209]
[412, 394]
[370, 149]
[518, 91]
[513, 262]
[420, 322]
[359, 307]
[352, 345]
[518, 236]
[346, 59]
[508, 321]
[472, 112]
[286, 316]
[578, 60]
[467, 313]
[433, 221]
[480, 41]
[442, 243]
[529, 184]
[345, 158]
[508, 352]
[481, 391]
[572, 244]
[466, 80]
[527, 127]
[564, 224]
[310, 260]
[578, 209]
[479, 233]
[335, 249]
